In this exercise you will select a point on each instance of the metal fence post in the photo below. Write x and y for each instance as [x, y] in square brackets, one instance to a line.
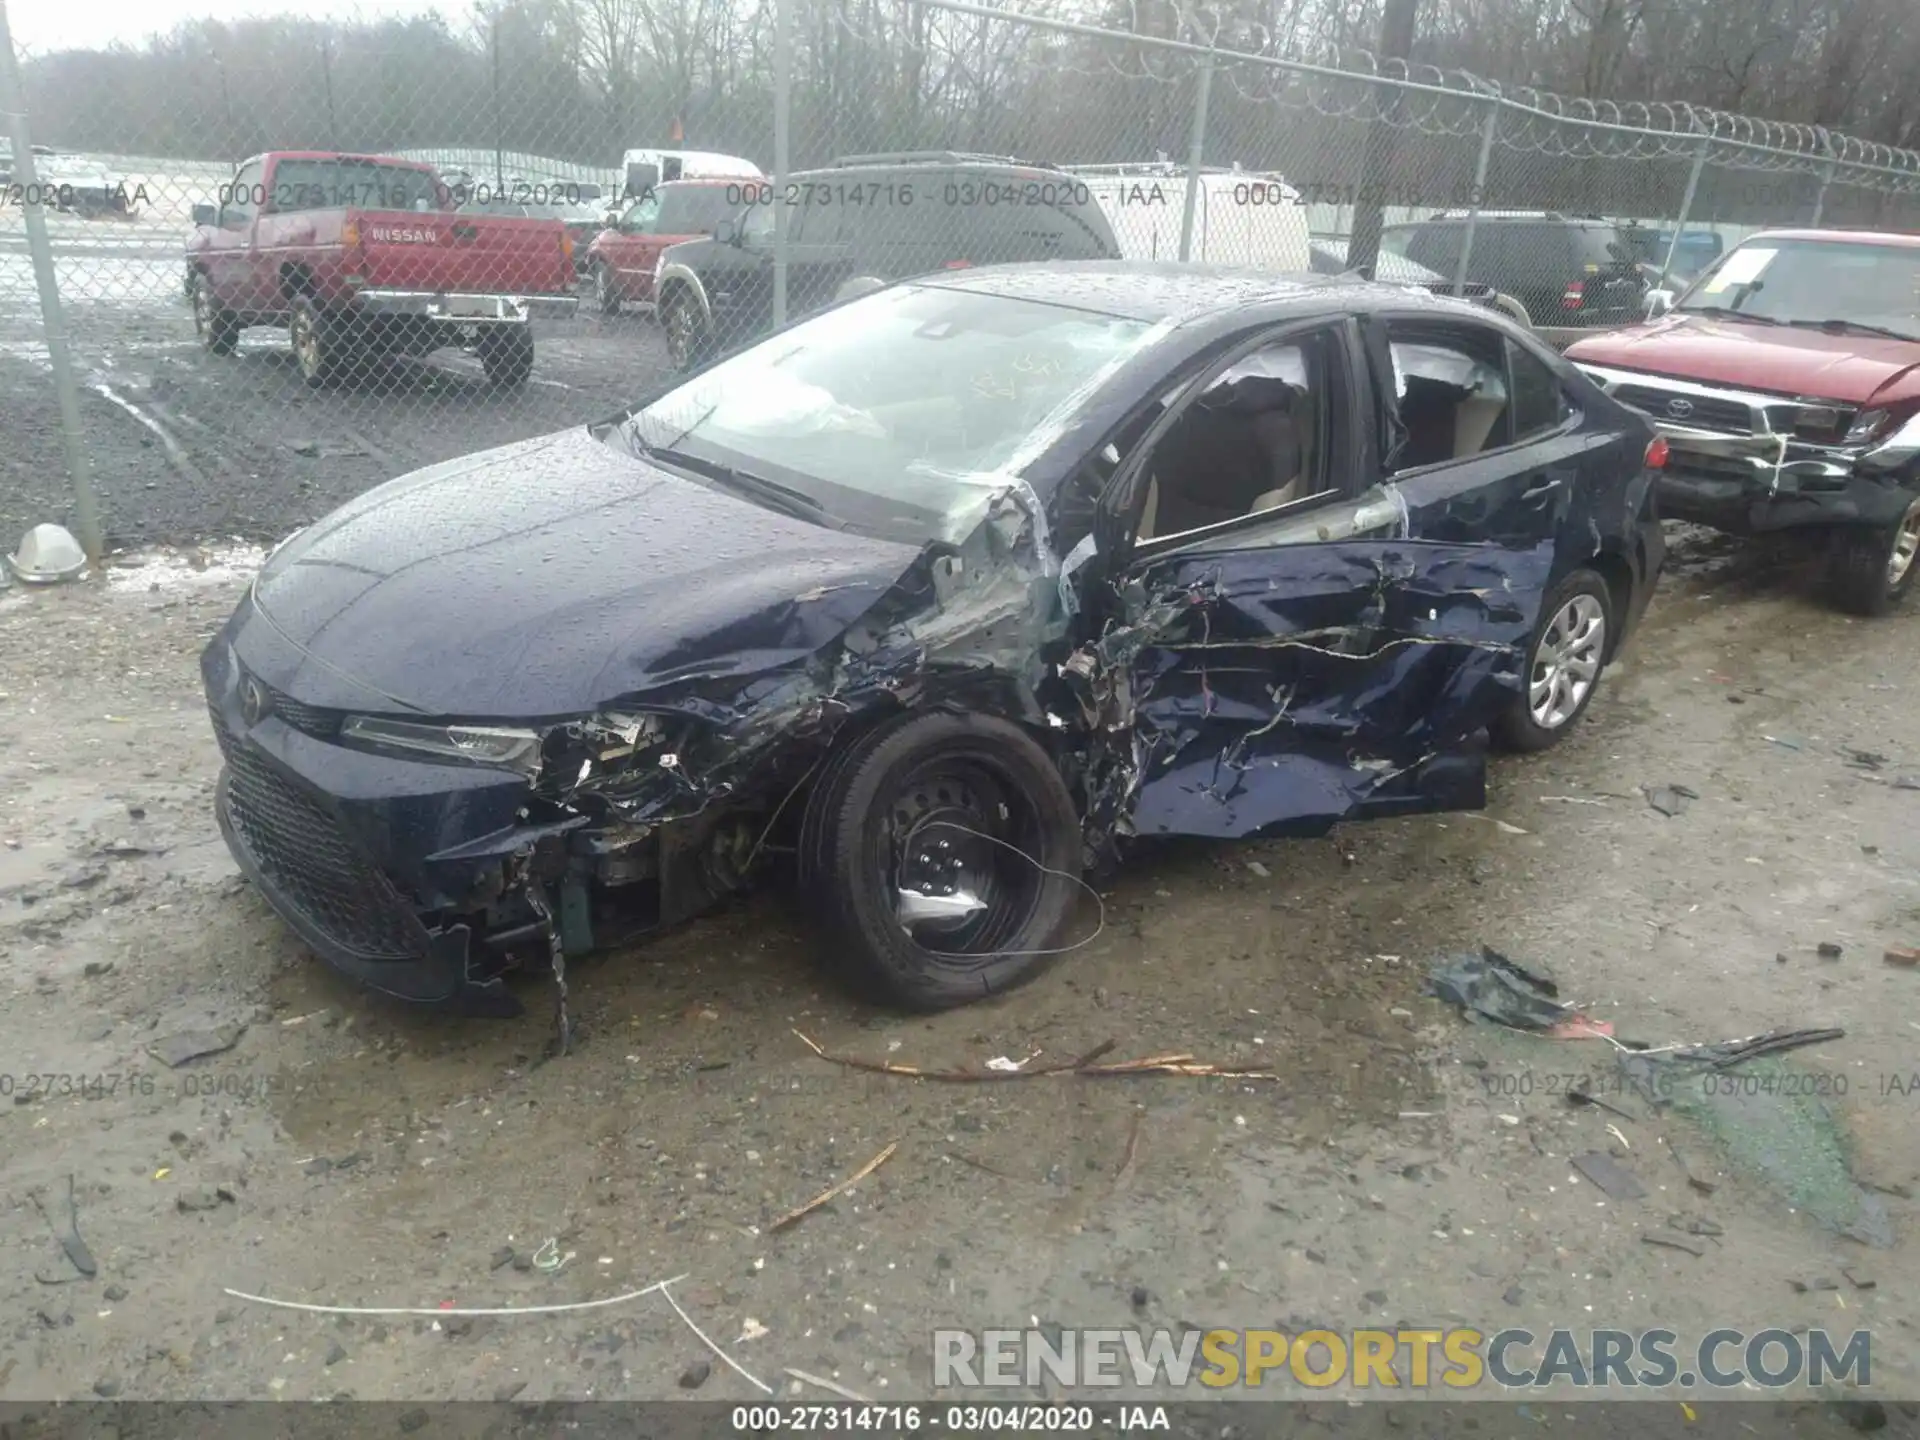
[13, 101]
[1479, 195]
[1826, 179]
[1195, 150]
[782, 117]
[1686, 208]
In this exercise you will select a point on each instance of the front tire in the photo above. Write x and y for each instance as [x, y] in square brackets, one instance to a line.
[218, 329]
[946, 854]
[686, 335]
[1565, 655]
[1873, 570]
[606, 289]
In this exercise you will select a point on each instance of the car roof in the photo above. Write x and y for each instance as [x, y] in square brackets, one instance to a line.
[1856, 237]
[1157, 290]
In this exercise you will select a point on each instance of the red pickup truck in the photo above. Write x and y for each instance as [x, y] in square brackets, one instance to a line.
[1786, 379]
[361, 256]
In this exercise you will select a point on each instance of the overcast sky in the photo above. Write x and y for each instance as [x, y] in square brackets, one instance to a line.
[42, 25]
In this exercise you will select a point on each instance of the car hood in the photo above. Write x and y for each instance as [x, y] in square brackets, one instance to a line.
[1716, 350]
[548, 578]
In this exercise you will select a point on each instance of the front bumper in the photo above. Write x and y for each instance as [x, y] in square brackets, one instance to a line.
[1766, 480]
[466, 308]
[392, 871]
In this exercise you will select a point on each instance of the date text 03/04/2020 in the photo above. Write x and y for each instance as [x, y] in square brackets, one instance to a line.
[959, 1419]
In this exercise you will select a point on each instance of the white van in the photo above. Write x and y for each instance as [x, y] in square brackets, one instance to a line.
[648, 168]
[1239, 218]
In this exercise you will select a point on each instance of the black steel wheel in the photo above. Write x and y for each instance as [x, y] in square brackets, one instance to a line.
[946, 853]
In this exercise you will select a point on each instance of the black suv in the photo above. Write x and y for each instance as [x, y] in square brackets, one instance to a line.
[1566, 270]
[863, 222]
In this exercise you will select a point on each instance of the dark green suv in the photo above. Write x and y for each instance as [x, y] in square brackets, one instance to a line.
[863, 222]
[1567, 270]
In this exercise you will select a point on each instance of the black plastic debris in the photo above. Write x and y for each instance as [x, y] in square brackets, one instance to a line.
[1867, 759]
[1729, 1053]
[70, 1240]
[1670, 799]
[1610, 1175]
[1492, 986]
[1668, 1242]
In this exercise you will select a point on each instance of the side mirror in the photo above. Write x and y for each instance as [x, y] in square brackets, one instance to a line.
[1659, 302]
[727, 232]
[205, 215]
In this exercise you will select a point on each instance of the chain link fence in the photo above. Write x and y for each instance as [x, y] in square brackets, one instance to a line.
[251, 269]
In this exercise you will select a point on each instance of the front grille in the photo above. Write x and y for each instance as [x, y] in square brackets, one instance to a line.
[1705, 412]
[307, 719]
[311, 864]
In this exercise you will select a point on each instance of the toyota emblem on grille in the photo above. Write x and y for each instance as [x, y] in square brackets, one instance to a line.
[253, 701]
[1679, 409]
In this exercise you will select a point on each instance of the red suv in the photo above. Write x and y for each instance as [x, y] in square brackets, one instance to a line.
[1787, 382]
[622, 259]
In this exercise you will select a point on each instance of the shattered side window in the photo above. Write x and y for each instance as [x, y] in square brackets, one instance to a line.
[1254, 440]
[1450, 386]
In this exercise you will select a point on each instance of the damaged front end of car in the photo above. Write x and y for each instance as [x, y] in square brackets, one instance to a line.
[429, 859]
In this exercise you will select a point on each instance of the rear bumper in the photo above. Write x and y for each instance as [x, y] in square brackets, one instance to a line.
[465, 308]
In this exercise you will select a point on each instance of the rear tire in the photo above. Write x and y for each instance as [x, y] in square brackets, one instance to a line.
[1872, 571]
[1565, 655]
[507, 356]
[319, 347]
[897, 819]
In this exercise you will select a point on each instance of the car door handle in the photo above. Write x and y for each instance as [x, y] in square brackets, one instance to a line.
[1541, 489]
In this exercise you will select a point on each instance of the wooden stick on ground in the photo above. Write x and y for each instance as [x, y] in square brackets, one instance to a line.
[793, 1217]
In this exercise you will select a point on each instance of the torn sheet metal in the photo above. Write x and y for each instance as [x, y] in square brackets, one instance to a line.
[1281, 699]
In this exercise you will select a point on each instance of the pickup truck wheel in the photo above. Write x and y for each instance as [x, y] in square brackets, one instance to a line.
[686, 337]
[507, 355]
[946, 854]
[1873, 570]
[1564, 659]
[606, 291]
[317, 342]
[218, 329]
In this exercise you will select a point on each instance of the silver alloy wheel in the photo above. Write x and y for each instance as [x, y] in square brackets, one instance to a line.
[1906, 545]
[1566, 663]
[603, 284]
[306, 343]
[202, 309]
[680, 326]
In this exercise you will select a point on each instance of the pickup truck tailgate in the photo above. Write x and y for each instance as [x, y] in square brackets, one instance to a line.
[448, 252]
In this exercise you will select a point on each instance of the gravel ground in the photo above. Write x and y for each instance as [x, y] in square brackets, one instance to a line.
[1405, 1167]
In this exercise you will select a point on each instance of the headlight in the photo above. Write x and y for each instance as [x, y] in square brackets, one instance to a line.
[497, 746]
[1866, 425]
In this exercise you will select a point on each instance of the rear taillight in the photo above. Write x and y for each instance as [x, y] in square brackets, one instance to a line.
[350, 232]
[566, 246]
[1657, 453]
[1574, 296]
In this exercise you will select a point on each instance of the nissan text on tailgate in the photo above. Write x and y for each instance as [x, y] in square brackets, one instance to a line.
[1786, 380]
[363, 257]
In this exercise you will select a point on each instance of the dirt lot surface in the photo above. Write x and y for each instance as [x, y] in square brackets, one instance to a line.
[1404, 1167]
